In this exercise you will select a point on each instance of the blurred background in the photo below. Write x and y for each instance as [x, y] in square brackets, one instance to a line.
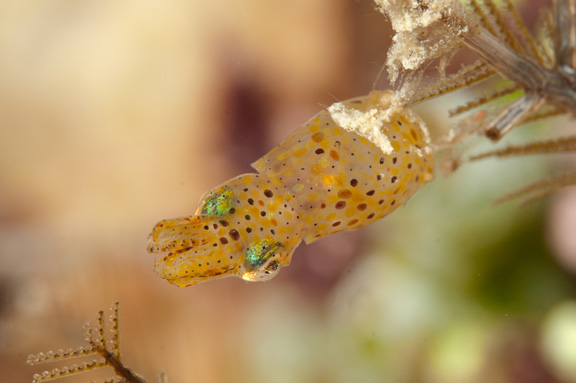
[116, 114]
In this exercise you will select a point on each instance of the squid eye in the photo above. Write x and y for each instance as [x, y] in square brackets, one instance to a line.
[218, 203]
[262, 260]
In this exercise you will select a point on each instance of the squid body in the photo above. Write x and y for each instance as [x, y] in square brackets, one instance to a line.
[348, 166]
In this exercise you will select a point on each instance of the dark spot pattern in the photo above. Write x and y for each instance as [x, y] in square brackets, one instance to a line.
[234, 234]
[340, 204]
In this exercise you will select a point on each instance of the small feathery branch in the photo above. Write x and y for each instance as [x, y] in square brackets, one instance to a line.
[464, 78]
[559, 145]
[98, 345]
[541, 71]
[484, 100]
[503, 43]
[539, 189]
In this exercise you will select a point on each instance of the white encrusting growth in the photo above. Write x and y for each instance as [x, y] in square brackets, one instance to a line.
[420, 32]
[367, 124]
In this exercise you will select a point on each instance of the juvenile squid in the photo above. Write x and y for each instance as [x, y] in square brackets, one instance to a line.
[346, 167]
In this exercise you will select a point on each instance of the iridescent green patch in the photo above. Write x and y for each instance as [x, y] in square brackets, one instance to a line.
[261, 252]
[218, 204]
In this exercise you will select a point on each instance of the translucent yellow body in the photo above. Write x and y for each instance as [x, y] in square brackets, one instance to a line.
[323, 179]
